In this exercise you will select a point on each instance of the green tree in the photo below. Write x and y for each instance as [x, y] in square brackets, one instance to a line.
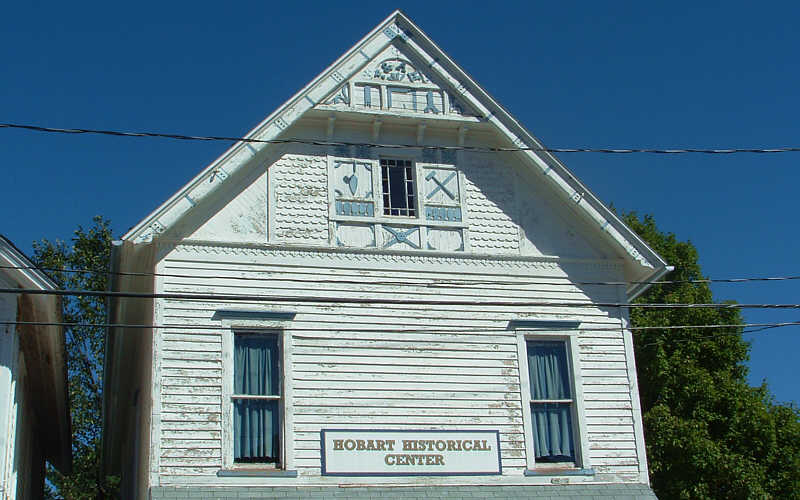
[89, 250]
[709, 434]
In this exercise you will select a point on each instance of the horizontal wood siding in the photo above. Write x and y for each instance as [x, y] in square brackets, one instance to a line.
[191, 405]
[607, 402]
[385, 366]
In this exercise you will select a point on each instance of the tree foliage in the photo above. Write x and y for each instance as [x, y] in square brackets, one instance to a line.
[709, 434]
[89, 249]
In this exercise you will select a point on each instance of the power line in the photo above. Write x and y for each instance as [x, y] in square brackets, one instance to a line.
[185, 137]
[389, 301]
[758, 327]
[430, 282]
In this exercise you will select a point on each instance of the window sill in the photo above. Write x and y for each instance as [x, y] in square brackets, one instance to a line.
[559, 471]
[253, 472]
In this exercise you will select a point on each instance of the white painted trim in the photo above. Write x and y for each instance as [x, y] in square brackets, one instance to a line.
[519, 136]
[24, 276]
[327, 81]
[272, 208]
[335, 257]
[287, 348]
[636, 404]
[8, 357]
[525, 396]
[570, 339]
[157, 370]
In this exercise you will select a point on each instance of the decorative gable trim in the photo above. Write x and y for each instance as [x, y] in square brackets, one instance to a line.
[270, 128]
[394, 82]
[644, 263]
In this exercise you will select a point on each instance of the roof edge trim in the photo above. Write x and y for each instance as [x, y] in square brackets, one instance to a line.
[395, 25]
[22, 267]
[268, 128]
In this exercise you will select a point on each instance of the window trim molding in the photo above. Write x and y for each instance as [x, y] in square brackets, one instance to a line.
[267, 327]
[568, 333]
[414, 181]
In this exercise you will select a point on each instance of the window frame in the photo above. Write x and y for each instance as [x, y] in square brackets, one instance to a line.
[286, 415]
[414, 182]
[578, 413]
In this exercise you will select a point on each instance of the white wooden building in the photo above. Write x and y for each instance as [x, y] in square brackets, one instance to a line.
[34, 400]
[378, 304]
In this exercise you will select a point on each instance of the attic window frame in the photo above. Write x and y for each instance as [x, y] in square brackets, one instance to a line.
[405, 167]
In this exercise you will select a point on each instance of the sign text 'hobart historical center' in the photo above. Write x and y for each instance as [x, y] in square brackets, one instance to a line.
[389, 452]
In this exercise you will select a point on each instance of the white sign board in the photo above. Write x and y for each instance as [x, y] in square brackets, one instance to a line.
[366, 452]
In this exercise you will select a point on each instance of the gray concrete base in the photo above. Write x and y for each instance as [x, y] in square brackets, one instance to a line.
[555, 492]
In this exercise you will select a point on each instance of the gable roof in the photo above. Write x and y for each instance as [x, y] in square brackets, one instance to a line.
[641, 262]
[17, 266]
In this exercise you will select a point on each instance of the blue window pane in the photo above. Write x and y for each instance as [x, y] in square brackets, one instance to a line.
[256, 431]
[256, 365]
[549, 377]
[547, 370]
[552, 432]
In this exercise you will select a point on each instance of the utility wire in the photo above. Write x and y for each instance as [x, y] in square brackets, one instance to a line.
[391, 301]
[757, 328]
[429, 282]
[185, 137]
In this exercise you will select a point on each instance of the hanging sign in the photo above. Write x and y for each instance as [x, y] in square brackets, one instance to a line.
[367, 452]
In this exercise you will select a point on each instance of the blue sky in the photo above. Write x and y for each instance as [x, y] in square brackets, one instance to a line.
[591, 74]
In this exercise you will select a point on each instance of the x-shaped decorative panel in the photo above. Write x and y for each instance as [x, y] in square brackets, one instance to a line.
[442, 186]
[401, 236]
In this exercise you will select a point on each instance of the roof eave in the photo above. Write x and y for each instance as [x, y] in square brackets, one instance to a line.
[20, 268]
[587, 199]
[635, 250]
[254, 133]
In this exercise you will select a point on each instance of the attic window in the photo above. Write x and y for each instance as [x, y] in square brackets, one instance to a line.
[399, 192]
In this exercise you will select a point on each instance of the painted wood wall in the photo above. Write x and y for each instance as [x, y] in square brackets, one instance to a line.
[460, 370]
[272, 235]
[21, 462]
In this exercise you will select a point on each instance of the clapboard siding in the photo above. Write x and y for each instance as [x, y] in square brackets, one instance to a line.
[192, 367]
[389, 366]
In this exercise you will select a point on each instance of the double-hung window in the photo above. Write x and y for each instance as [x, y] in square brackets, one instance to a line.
[257, 399]
[551, 401]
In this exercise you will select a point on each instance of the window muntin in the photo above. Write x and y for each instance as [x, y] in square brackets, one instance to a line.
[256, 399]
[398, 183]
[551, 401]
